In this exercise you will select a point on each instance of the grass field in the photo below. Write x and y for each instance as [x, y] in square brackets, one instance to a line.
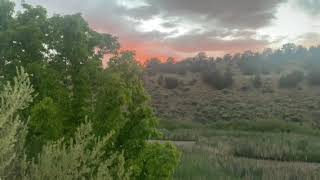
[235, 154]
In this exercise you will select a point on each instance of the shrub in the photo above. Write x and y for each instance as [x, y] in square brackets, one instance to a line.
[160, 80]
[171, 82]
[291, 80]
[267, 86]
[249, 66]
[15, 97]
[82, 158]
[257, 81]
[218, 80]
[161, 166]
[314, 77]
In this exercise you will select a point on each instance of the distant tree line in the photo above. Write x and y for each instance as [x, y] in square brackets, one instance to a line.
[218, 71]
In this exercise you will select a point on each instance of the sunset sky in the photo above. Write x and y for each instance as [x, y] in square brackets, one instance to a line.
[182, 28]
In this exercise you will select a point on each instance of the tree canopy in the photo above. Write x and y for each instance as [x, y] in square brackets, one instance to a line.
[63, 56]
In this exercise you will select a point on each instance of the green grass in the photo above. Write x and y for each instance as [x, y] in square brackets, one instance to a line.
[267, 126]
[203, 164]
[242, 150]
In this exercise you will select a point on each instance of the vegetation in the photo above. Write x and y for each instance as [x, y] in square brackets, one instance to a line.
[258, 152]
[257, 81]
[14, 98]
[171, 83]
[64, 59]
[81, 158]
[291, 80]
[253, 115]
[314, 77]
[257, 119]
[218, 80]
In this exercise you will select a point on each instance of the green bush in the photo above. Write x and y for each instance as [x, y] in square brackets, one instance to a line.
[291, 80]
[161, 166]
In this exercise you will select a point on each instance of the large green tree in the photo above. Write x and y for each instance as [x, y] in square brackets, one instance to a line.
[64, 56]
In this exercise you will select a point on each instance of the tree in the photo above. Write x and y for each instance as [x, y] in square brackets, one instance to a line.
[6, 11]
[15, 97]
[64, 56]
[40, 131]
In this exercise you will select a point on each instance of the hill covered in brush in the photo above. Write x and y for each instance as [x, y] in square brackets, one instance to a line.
[275, 84]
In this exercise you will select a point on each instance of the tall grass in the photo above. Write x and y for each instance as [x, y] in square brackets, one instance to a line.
[251, 155]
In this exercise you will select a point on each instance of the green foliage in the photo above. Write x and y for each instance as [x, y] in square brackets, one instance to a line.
[41, 131]
[123, 107]
[81, 158]
[64, 57]
[291, 80]
[267, 126]
[249, 155]
[6, 10]
[15, 97]
[159, 161]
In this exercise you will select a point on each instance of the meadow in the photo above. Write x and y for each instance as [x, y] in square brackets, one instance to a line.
[246, 154]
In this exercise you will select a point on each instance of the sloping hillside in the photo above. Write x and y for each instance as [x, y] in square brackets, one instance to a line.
[194, 100]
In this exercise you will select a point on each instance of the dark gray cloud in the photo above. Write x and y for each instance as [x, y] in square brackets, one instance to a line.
[231, 13]
[227, 13]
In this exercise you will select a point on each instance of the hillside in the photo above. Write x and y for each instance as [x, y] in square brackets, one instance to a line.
[193, 100]
[240, 125]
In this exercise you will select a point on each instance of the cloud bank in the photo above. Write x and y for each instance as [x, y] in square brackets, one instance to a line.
[178, 28]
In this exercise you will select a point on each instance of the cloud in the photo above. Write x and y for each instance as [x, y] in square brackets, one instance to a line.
[312, 7]
[230, 13]
[229, 42]
[180, 27]
[309, 39]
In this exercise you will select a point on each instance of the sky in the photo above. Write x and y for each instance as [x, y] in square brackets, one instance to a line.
[182, 28]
